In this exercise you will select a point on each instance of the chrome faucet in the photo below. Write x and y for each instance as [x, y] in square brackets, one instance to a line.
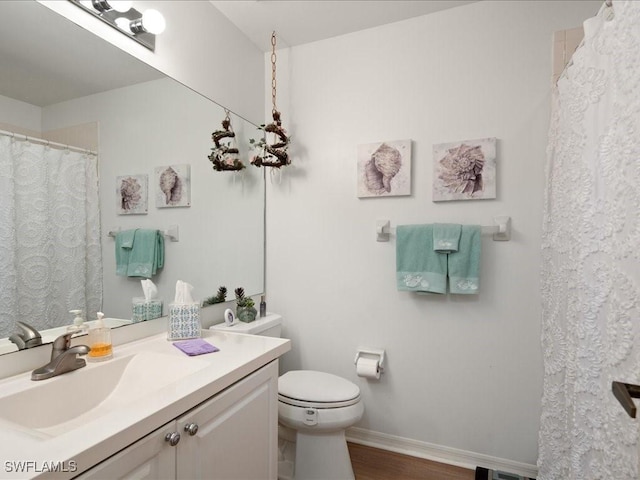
[64, 358]
[27, 338]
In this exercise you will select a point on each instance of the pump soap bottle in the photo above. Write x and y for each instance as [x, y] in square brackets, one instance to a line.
[78, 323]
[100, 341]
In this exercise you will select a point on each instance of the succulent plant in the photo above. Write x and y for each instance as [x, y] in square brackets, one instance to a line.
[220, 297]
[241, 300]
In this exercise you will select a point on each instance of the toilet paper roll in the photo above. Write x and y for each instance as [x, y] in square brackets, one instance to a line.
[368, 368]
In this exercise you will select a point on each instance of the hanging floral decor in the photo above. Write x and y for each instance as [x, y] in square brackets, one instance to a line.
[224, 156]
[272, 154]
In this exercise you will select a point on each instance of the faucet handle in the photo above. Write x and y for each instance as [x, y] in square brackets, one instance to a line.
[61, 344]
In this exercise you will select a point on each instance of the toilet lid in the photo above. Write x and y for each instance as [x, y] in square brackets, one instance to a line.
[305, 387]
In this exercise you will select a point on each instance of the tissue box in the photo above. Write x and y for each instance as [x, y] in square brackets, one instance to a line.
[184, 321]
[142, 310]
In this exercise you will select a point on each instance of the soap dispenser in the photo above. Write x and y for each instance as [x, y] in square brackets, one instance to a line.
[78, 325]
[100, 341]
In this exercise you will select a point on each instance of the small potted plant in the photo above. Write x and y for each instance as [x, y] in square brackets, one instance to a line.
[220, 297]
[245, 310]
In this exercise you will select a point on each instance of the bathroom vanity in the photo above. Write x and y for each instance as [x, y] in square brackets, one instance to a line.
[150, 412]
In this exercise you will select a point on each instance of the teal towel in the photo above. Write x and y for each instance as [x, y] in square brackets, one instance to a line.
[446, 237]
[124, 243]
[418, 267]
[147, 254]
[464, 265]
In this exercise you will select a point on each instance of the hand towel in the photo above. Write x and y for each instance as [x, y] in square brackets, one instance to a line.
[124, 243]
[197, 346]
[446, 237]
[418, 267]
[464, 265]
[147, 254]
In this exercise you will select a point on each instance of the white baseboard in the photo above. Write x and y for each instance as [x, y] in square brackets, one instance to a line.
[438, 453]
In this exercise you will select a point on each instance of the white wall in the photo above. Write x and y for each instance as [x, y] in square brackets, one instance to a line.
[20, 116]
[200, 48]
[463, 372]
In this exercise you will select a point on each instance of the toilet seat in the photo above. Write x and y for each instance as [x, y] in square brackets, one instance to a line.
[311, 389]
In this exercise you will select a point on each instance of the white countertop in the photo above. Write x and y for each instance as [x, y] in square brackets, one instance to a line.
[99, 438]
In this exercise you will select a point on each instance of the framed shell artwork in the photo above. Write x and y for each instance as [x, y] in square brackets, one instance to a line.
[173, 186]
[384, 169]
[132, 194]
[464, 170]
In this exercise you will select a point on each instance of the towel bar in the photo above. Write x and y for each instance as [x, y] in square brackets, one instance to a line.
[501, 231]
[172, 233]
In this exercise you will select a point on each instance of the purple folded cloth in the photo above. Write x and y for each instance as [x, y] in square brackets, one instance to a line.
[197, 346]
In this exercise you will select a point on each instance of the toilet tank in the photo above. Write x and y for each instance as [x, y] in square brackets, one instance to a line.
[269, 326]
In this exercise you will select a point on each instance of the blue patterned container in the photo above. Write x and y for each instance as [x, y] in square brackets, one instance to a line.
[184, 321]
[142, 310]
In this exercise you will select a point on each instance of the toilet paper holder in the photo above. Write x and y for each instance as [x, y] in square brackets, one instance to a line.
[371, 352]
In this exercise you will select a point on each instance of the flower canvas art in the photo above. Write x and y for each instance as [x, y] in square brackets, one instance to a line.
[132, 194]
[465, 170]
[384, 169]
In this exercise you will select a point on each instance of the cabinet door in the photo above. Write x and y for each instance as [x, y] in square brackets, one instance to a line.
[151, 458]
[237, 432]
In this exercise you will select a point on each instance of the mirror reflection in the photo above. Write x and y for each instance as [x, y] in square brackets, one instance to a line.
[67, 86]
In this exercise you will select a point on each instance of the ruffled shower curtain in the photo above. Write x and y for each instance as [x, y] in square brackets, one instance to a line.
[591, 256]
[50, 256]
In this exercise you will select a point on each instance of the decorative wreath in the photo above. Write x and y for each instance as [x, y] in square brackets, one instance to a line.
[274, 155]
[225, 157]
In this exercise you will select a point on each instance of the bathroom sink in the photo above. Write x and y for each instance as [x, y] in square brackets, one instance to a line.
[55, 406]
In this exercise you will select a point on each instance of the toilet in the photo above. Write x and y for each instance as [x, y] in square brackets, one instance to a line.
[314, 410]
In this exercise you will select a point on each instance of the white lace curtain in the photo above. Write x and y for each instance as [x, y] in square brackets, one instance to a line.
[591, 257]
[50, 257]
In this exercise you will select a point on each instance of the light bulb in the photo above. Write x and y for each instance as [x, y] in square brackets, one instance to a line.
[123, 24]
[153, 21]
[120, 5]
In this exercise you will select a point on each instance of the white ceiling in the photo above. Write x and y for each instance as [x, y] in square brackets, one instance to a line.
[300, 22]
[55, 60]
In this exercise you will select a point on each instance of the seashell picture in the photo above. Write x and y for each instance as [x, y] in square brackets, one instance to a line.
[464, 170]
[132, 194]
[384, 169]
[173, 186]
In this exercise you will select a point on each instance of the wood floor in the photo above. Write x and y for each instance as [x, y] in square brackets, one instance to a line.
[374, 464]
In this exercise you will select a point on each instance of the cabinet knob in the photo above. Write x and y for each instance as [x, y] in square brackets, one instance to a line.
[191, 428]
[173, 438]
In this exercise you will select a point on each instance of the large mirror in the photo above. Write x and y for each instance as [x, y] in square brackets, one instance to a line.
[61, 82]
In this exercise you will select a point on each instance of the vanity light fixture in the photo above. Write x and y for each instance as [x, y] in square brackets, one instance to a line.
[141, 27]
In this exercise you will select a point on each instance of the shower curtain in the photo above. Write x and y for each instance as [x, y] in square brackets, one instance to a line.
[50, 256]
[591, 256]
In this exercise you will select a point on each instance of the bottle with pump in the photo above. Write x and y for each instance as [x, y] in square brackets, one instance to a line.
[263, 307]
[78, 323]
[100, 341]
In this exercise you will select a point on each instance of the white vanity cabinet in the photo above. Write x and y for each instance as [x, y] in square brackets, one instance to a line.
[149, 458]
[233, 435]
